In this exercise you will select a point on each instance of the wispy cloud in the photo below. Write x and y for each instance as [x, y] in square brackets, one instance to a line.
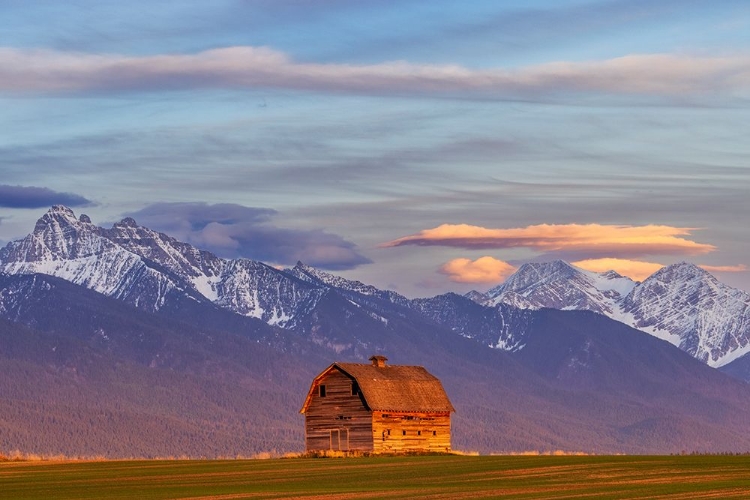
[614, 240]
[482, 270]
[635, 269]
[37, 197]
[26, 71]
[739, 268]
[232, 230]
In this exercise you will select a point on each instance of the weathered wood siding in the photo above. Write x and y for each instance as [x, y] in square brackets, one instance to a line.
[339, 420]
[399, 432]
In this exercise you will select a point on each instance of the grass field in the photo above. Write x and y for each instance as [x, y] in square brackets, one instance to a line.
[433, 477]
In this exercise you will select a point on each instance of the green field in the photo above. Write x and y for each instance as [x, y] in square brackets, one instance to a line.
[433, 477]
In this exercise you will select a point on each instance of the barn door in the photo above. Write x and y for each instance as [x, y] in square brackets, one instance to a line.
[344, 433]
[339, 440]
[335, 439]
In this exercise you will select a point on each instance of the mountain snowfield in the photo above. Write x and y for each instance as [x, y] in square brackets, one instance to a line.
[680, 303]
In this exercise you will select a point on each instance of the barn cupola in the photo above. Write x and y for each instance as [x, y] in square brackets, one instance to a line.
[378, 361]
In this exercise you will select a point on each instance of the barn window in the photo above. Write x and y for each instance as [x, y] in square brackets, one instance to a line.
[419, 433]
[322, 391]
[434, 433]
[403, 433]
[355, 389]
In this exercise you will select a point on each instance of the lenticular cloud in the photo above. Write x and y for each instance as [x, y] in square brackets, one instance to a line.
[613, 240]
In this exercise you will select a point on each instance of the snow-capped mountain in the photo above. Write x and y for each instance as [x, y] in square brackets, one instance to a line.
[690, 308]
[254, 289]
[74, 249]
[560, 285]
[681, 303]
[143, 267]
[200, 268]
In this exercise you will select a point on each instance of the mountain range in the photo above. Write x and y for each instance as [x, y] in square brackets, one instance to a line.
[127, 342]
[681, 303]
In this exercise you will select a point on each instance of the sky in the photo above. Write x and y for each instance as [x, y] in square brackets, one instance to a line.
[419, 146]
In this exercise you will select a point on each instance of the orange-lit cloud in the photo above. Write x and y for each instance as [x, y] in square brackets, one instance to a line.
[483, 270]
[611, 240]
[634, 269]
[740, 268]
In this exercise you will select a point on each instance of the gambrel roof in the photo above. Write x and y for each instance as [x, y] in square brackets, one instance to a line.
[392, 387]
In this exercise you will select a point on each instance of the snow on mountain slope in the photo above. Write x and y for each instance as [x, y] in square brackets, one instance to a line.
[560, 285]
[689, 307]
[69, 248]
[200, 268]
[142, 266]
[255, 289]
[681, 304]
[244, 286]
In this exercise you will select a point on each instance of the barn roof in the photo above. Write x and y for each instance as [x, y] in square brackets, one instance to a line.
[393, 387]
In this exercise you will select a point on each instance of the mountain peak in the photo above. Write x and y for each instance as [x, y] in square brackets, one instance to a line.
[61, 209]
[680, 303]
[554, 264]
[545, 268]
[689, 307]
[681, 271]
[127, 222]
[57, 215]
[682, 265]
[560, 285]
[611, 274]
[477, 296]
[61, 213]
[308, 273]
[533, 273]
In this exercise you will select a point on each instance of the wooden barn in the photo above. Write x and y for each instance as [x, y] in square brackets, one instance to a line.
[377, 408]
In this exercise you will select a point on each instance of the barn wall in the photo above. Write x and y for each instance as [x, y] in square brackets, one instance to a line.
[338, 421]
[400, 432]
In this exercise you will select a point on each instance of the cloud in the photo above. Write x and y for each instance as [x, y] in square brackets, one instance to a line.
[37, 197]
[639, 270]
[483, 270]
[739, 268]
[598, 239]
[634, 269]
[183, 218]
[26, 71]
[231, 230]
